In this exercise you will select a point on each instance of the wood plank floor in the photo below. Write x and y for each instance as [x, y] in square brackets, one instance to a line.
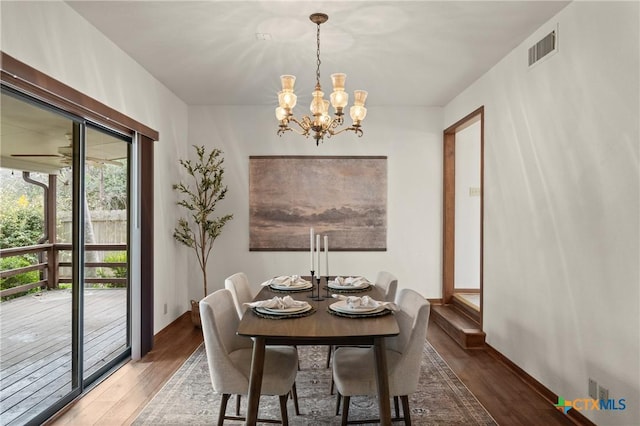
[119, 399]
[35, 346]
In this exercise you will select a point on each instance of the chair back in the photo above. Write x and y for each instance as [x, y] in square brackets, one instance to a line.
[219, 324]
[388, 283]
[413, 319]
[240, 289]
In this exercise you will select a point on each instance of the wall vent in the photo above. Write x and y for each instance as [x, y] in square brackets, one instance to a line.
[544, 47]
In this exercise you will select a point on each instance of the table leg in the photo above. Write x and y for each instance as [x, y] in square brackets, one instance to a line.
[382, 377]
[255, 380]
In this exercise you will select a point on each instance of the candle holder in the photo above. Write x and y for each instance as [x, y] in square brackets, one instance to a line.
[318, 297]
[312, 276]
[327, 287]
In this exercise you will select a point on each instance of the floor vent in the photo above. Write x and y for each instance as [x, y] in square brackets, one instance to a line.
[544, 47]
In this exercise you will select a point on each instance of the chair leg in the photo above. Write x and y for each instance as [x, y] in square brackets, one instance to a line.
[396, 406]
[294, 394]
[223, 407]
[338, 400]
[329, 356]
[405, 410]
[345, 409]
[283, 409]
[332, 388]
[238, 404]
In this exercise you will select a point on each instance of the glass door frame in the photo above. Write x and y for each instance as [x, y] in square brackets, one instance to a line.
[79, 383]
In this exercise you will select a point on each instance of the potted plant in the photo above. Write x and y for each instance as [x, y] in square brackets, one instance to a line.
[199, 197]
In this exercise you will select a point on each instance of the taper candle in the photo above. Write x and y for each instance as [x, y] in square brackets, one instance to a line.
[326, 255]
[311, 249]
[318, 249]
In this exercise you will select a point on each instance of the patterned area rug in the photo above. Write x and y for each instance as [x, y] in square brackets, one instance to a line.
[188, 398]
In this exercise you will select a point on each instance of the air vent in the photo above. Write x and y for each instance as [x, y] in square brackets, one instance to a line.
[544, 47]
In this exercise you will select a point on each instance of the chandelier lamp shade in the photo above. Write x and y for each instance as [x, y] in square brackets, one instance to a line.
[320, 124]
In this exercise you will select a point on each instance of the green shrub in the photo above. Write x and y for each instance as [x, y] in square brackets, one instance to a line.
[114, 271]
[20, 225]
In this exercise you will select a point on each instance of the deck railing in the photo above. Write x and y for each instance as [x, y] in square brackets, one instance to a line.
[50, 266]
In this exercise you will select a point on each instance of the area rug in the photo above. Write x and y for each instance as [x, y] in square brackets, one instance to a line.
[188, 398]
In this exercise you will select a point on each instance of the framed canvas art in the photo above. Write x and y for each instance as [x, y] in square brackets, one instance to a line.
[344, 198]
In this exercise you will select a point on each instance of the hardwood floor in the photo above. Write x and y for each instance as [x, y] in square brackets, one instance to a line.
[508, 399]
[119, 399]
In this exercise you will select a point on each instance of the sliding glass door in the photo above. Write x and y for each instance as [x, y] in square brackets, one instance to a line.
[65, 310]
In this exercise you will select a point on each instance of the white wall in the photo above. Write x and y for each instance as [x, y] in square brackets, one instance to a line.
[411, 138]
[561, 242]
[467, 214]
[53, 38]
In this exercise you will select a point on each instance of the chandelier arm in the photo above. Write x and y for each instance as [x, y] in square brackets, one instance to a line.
[303, 125]
[358, 131]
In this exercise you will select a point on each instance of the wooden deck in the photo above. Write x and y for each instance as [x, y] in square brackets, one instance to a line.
[35, 346]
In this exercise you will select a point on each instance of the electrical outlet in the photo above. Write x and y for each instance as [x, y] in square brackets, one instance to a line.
[165, 309]
[593, 389]
[603, 393]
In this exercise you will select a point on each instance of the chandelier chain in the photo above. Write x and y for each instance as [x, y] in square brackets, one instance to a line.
[318, 57]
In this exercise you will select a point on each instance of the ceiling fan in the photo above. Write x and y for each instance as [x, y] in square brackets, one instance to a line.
[65, 153]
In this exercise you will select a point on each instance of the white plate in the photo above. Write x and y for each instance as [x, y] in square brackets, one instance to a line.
[363, 284]
[285, 311]
[342, 307]
[304, 286]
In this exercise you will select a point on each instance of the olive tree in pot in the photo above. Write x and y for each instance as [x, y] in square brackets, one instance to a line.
[199, 197]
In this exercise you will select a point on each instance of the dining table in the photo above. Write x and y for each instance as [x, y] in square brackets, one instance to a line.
[319, 326]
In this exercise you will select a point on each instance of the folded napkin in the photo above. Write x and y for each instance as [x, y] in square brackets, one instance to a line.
[278, 303]
[354, 302]
[351, 281]
[286, 281]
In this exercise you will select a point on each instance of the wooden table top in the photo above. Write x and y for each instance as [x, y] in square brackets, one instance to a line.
[321, 327]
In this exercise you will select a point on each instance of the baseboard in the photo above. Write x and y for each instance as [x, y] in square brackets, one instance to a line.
[435, 301]
[574, 415]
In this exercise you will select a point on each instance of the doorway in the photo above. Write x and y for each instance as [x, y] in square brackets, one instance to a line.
[66, 317]
[463, 183]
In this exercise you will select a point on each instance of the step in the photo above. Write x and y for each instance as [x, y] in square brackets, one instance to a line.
[460, 327]
[467, 307]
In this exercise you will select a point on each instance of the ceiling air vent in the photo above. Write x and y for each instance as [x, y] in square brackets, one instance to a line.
[542, 48]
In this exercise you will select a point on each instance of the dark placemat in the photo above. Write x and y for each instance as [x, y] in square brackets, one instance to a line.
[294, 315]
[348, 290]
[295, 290]
[370, 315]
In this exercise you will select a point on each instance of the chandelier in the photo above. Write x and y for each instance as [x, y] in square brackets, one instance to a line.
[320, 124]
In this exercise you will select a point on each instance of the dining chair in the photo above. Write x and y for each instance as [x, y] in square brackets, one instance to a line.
[388, 283]
[238, 284]
[229, 358]
[354, 367]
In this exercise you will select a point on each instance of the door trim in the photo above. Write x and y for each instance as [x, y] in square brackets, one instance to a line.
[449, 194]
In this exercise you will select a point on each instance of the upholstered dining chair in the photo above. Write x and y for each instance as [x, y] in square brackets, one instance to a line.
[229, 357]
[354, 367]
[238, 285]
[388, 283]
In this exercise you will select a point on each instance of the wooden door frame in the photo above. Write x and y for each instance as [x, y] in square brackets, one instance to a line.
[449, 198]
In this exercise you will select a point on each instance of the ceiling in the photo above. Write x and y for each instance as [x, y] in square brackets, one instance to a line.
[404, 53]
[38, 140]
[410, 53]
